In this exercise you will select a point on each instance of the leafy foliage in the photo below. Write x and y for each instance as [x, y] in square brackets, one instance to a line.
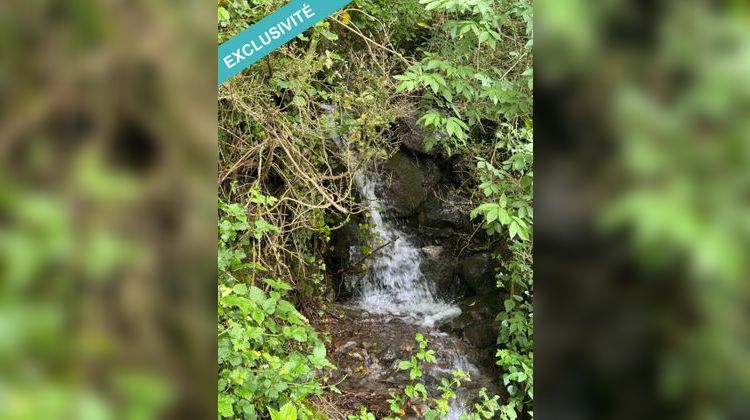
[463, 100]
[268, 352]
[476, 73]
[516, 215]
[476, 81]
[437, 407]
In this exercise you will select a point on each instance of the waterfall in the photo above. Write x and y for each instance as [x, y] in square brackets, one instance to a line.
[396, 285]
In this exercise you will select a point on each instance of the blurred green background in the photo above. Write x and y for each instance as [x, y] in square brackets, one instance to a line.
[107, 209]
[643, 209]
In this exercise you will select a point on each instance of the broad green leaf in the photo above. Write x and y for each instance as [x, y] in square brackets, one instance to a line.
[404, 365]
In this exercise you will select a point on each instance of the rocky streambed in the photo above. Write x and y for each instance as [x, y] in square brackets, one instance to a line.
[368, 348]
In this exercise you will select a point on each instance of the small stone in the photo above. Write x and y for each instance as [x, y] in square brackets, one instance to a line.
[433, 251]
[389, 355]
[343, 348]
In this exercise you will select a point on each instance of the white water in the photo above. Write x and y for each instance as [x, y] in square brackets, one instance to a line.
[397, 285]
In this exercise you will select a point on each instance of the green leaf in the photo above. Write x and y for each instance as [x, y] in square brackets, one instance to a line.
[491, 216]
[262, 227]
[243, 304]
[288, 412]
[225, 405]
[296, 333]
[278, 285]
[223, 14]
[240, 289]
[513, 229]
[257, 295]
[254, 333]
[432, 5]
[523, 233]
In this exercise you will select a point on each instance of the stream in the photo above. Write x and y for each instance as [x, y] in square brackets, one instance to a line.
[398, 296]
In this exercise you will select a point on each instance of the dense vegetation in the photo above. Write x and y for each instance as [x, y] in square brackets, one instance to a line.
[464, 68]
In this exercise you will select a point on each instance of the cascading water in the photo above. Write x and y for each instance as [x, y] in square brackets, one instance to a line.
[396, 285]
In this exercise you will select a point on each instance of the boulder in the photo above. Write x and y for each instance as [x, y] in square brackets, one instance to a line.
[457, 324]
[412, 135]
[405, 185]
[476, 324]
[439, 269]
[432, 173]
[477, 271]
[481, 334]
[437, 213]
[342, 241]
[340, 257]
[440, 234]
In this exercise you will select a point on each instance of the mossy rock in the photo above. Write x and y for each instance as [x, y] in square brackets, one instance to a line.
[405, 185]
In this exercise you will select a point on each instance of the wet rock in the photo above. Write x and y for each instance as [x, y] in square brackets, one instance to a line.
[481, 334]
[406, 347]
[477, 271]
[438, 213]
[437, 233]
[432, 173]
[342, 240]
[389, 355]
[476, 324]
[405, 190]
[345, 347]
[433, 251]
[341, 258]
[440, 272]
[369, 366]
[457, 324]
[412, 135]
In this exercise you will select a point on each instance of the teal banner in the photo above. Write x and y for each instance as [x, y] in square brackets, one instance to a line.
[275, 30]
